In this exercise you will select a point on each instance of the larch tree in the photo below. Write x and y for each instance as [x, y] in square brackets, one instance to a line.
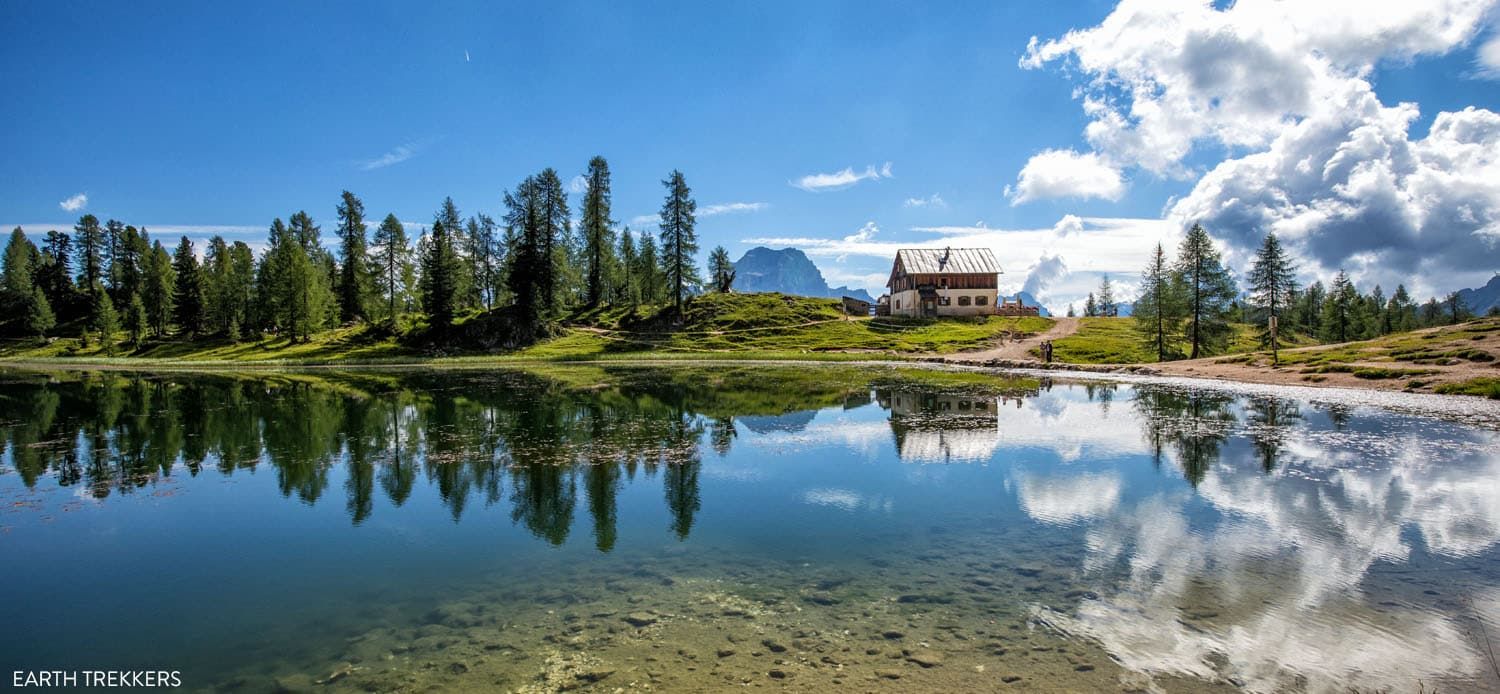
[555, 229]
[392, 258]
[1158, 312]
[1273, 286]
[679, 238]
[1208, 291]
[598, 233]
[355, 286]
[721, 270]
[1338, 309]
[1105, 300]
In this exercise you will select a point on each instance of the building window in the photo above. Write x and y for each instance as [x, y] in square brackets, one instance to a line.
[898, 303]
[963, 301]
[942, 301]
[943, 281]
[980, 300]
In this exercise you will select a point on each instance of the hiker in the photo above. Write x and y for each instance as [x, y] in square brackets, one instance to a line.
[1047, 352]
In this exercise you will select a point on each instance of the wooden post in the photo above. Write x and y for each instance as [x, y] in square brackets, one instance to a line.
[1275, 357]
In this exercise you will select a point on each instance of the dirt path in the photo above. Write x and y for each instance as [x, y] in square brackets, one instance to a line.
[1019, 350]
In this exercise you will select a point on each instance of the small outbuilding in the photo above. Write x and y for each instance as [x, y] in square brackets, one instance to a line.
[856, 307]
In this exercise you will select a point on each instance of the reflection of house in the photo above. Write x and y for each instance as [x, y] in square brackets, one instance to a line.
[930, 282]
[942, 427]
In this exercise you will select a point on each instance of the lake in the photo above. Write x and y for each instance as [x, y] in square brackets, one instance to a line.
[708, 527]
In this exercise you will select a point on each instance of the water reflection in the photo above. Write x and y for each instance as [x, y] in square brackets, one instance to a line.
[1267, 543]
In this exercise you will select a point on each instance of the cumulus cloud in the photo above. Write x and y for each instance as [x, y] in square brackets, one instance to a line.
[819, 182]
[1064, 173]
[934, 201]
[731, 208]
[1348, 188]
[1045, 272]
[75, 203]
[1315, 155]
[865, 233]
[578, 184]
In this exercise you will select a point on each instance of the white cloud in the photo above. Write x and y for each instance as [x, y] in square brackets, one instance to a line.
[644, 220]
[1313, 152]
[578, 184]
[1487, 59]
[731, 208]
[816, 183]
[1064, 173]
[75, 203]
[395, 156]
[934, 200]
[865, 233]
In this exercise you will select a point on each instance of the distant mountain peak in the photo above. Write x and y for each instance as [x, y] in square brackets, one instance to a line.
[788, 271]
[1482, 299]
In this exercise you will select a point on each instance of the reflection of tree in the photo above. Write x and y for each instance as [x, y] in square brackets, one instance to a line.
[1194, 423]
[1271, 418]
[721, 435]
[463, 433]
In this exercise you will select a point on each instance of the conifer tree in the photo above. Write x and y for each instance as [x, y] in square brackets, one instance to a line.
[627, 290]
[1272, 287]
[355, 285]
[1105, 301]
[721, 269]
[440, 267]
[1158, 312]
[1090, 306]
[555, 230]
[104, 319]
[649, 270]
[88, 239]
[1208, 291]
[188, 299]
[136, 321]
[598, 233]
[679, 240]
[392, 257]
[1457, 310]
[1400, 311]
[487, 255]
[161, 286]
[39, 316]
[22, 259]
[56, 274]
[1338, 309]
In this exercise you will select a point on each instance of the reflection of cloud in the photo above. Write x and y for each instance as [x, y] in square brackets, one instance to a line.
[1270, 589]
[1068, 499]
[846, 500]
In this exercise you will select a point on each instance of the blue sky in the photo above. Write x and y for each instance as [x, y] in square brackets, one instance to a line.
[220, 116]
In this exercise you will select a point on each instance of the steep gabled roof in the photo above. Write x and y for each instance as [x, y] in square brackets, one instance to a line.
[947, 261]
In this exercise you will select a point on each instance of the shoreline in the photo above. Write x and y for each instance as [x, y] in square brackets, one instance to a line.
[1233, 377]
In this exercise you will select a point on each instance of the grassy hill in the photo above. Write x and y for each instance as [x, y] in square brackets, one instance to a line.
[719, 326]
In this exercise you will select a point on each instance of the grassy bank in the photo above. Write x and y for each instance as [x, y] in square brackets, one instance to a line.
[1115, 341]
[715, 326]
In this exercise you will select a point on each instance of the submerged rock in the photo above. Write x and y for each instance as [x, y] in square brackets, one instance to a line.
[926, 658]
[640, 619]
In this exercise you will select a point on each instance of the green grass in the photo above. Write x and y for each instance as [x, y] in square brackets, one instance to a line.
[1487, 387]
[715, 326]
[1115, 341]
